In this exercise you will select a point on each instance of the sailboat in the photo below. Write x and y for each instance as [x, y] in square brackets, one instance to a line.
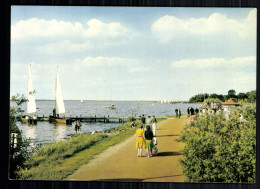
[59, 105]
[31, 105]
[111, 106]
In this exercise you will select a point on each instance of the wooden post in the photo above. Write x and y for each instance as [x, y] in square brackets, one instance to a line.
[13, 140]
[95, 118]
[108, 119]
[104, 119]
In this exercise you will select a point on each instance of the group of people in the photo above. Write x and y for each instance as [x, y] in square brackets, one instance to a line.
[146, 136]
[178, 112]
[191, 111]
[77, 126]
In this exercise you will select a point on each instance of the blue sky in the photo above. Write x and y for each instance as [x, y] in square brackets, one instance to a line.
[133, 53]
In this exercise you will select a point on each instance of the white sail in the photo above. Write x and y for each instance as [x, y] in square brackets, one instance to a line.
[31, 105]
[59, 104]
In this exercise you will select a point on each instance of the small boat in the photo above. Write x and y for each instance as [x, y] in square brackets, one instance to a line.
[111, 106]
[59, 105]
[31, 105]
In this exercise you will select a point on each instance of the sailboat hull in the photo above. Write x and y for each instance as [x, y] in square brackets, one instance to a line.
[60, 120]
[29, 121]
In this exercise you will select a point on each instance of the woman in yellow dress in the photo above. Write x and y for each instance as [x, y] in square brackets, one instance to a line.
[140, 143]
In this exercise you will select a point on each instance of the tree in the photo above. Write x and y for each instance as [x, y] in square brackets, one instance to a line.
[221, 97]
[19, 154]
[252, 96]
[199, 98]
[241, 96]
[232, 92]
[214, 95]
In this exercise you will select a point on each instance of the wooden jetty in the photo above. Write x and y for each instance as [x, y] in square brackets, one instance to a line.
[104, 119]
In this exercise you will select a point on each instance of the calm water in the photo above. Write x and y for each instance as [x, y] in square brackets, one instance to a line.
[45, 132]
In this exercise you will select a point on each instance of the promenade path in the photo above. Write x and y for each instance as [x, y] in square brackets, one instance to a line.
[120, 162]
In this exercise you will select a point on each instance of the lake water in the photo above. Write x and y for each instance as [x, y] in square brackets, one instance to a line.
[45, 132]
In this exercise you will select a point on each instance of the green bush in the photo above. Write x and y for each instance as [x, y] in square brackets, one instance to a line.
[220, 150]
[23, 151]
[131, 118]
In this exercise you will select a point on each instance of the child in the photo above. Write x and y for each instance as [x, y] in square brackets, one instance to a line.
[155, 149]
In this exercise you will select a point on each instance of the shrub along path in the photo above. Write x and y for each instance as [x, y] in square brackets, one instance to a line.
[120, 162]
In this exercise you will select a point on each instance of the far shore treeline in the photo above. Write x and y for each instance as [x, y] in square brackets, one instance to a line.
[240, 97]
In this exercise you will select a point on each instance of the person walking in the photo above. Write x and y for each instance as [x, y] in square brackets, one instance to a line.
[176, 112]
[192, 111]
[76, 127]
[196, 110]
[149, 141]
[179, 112]
[188, 111]
[140, 143]
[154, 125]
[143, 120]
[149, 121]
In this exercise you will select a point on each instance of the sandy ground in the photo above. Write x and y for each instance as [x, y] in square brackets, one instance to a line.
[120, 162]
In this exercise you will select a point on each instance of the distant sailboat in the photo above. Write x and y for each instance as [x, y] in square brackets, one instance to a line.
[31, 105]
[111, 106]
[59, 104]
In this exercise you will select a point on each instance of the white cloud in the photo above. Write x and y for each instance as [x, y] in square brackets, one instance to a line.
[96, 28]
[61, 34]
[235, 63]
[169, 27]
[34, 27]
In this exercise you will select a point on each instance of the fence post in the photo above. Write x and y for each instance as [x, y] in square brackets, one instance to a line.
[14, 140]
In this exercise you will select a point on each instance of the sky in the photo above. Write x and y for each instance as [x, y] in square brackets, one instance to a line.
[132, 53]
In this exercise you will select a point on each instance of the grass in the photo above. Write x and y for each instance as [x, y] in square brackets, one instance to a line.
[58, 160]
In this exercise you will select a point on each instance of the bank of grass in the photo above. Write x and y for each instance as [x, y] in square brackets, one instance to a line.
[56, 161]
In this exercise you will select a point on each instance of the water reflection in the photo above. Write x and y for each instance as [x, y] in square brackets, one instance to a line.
[59, 131]
[30, 132]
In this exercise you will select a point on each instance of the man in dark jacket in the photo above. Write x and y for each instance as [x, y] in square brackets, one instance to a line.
[176, 112]
[143, 120]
